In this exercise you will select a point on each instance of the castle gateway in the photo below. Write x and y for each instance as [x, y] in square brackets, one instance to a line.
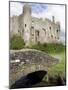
[34, 30]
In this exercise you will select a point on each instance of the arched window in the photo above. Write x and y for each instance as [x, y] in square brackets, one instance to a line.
[25, 25]
[38, 33]
[57, 30]
[50, 27]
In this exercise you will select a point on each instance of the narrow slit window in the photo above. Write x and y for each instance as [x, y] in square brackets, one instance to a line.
[25, 25]
[57, 30]
[50, 28]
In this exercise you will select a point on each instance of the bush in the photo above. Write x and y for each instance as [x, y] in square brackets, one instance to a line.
[49, 47]
[16, 42]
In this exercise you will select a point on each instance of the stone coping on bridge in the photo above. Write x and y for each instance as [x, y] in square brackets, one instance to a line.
[25, 49]
[37, 51]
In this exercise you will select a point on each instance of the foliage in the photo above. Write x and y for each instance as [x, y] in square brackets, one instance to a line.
[16, 42]
[58, 69]
[54, 49]
[49, 48]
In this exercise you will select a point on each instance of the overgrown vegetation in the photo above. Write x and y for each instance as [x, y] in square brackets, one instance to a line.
[56, 50]
[49, 48]
[16, 42]
[60, 67]
[58, 70]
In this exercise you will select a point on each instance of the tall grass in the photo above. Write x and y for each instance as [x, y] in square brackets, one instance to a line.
[54, 49]
[49, 48]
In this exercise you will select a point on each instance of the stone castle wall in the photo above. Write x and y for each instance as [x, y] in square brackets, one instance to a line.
[34, 29]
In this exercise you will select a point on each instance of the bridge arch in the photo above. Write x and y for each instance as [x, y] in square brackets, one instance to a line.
[29, 80]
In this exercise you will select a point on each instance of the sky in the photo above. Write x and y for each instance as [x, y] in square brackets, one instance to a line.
[43, 11]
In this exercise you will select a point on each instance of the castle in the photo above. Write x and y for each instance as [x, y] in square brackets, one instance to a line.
[34, 30]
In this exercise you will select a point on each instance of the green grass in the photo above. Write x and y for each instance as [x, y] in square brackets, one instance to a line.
[58, 69]
[49, 48]
[57, 51]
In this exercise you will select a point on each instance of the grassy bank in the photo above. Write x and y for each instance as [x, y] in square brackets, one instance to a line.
[49, 48]
[58, 69]
[57, 51]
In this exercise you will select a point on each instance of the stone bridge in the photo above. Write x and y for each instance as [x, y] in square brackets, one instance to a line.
[25, 61]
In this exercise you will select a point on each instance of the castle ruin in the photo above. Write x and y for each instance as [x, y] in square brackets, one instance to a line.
[34, 30]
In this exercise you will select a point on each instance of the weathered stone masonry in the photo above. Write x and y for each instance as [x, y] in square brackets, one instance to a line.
[34, 30]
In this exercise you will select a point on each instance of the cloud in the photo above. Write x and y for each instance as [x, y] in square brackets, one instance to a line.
[15, 8]
[37, 8]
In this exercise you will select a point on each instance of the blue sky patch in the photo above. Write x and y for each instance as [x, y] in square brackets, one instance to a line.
[38, 8]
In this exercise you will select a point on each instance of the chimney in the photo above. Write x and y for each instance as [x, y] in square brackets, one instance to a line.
[53, 19]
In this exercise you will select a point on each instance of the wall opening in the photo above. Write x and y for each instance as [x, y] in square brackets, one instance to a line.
[25, 25]
[50, 27]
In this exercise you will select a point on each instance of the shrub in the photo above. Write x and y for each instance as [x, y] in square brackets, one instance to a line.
[50, 47]
[16, 42]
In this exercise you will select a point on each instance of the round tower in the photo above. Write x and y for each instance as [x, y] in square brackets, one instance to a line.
[27, 23]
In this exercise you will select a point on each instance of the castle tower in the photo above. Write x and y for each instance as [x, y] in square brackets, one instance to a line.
[27, 23]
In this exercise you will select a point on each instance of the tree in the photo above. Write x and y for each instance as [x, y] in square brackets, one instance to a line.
[16, 42]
